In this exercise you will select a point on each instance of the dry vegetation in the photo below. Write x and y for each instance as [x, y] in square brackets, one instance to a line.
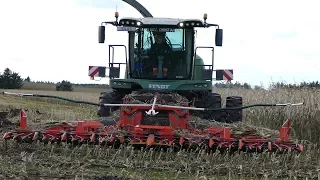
[52, 87]
[86, 162]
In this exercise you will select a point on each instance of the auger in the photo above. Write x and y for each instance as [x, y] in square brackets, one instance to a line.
[153, 125]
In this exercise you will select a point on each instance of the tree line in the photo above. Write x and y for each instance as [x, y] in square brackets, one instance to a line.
[12, 80]
[272, 86]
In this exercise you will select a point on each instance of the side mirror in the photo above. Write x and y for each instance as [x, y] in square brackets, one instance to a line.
[219, 37]
[102, 30]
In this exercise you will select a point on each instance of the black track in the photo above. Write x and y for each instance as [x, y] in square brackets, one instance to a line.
[234, 115]
[109, 97]
[212, 101]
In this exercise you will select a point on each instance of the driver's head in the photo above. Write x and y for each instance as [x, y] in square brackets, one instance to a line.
[159, 37]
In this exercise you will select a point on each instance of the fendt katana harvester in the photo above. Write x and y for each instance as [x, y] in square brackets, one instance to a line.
[162, 57]
[166, 85]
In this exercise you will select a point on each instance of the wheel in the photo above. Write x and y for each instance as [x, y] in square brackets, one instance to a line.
[212, 101]
[109, 97]
[233, 115]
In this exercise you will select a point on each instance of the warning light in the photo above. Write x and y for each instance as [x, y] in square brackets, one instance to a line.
[116, 15]
[205, 16]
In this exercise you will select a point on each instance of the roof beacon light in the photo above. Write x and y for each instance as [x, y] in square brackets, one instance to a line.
[116, 15]
[205, 16]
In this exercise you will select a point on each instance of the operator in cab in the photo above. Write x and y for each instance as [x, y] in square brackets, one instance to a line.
[159, 53]
[160, 46]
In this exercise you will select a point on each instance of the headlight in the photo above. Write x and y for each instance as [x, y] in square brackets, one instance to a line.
[130, 22]
[191, 23]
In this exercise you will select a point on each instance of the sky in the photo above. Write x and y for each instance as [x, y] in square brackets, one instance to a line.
[264, 41]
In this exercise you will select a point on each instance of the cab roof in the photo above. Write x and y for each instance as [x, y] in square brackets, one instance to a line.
[159, 21]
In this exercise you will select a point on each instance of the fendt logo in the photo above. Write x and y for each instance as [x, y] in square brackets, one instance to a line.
[158, 86]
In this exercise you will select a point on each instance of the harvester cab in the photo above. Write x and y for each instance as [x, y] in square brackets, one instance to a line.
[162, 56]
[162, 50]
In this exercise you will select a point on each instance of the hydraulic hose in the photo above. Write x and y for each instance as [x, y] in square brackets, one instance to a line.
[51, 96]
[158, 105]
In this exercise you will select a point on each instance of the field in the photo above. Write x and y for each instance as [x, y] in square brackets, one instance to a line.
[37, 161]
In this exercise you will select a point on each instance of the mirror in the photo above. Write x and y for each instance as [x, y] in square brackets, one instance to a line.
[102, 34]
[219, 35]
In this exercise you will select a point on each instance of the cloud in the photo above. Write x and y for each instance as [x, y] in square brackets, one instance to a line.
[56, 40]
[288, 34]
[103, 4]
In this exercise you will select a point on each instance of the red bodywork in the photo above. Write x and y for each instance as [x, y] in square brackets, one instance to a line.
[131, 130]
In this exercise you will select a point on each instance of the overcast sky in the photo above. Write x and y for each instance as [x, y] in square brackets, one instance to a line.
[263, 42]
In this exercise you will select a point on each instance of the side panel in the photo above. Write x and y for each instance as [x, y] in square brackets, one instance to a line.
[198, 71]
[170, 85]
[97, 71]
[224, 74]
[131, 61]
[221, 74]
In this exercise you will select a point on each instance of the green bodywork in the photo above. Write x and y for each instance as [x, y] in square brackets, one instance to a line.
[186, 68]
[177, 85]
[196, 84]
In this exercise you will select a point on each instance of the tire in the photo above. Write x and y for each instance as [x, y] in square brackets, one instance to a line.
[233, 116]
[212, 101]
[109, 97]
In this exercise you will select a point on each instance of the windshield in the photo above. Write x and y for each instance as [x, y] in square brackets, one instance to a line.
[159, 53]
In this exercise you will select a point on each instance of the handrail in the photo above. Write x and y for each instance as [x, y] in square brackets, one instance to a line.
[195, 56]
